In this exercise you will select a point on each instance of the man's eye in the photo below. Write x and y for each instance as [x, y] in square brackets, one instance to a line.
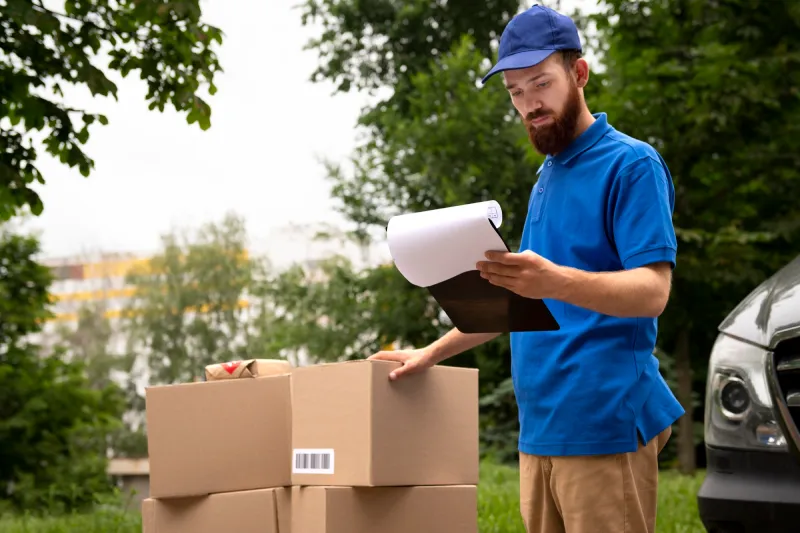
[543, 84]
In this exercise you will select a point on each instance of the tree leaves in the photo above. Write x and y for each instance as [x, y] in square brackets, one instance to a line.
[711, 85]
[24, 285]
[336, 313]
[369, 44]
[166, 42]
[53, 430]
[192, 303]
[53, 424]
[456, 144]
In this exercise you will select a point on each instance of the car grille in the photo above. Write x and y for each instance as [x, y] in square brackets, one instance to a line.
[784, 380]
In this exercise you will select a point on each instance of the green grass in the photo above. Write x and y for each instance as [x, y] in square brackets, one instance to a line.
[498, 502]
[498, 509]
[100, 522]
[677, 503]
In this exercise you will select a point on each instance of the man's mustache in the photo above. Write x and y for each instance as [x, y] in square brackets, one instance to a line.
[530, 117]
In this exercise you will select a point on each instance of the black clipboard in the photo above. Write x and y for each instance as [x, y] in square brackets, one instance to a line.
[474, 305]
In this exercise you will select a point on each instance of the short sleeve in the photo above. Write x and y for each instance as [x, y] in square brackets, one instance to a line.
[642, 203]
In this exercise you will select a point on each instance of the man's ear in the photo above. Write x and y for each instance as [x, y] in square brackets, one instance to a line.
[581, 72]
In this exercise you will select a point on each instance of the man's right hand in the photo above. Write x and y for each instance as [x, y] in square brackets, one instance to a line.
[413, 360]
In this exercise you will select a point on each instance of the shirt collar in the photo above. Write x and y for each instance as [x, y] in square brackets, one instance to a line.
[584, 141]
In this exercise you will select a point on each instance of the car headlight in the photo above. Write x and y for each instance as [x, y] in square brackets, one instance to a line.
[738, 405]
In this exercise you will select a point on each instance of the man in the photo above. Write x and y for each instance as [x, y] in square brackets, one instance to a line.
[598, 245]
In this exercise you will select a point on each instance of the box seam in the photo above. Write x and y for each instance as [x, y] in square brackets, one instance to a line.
[371, 424]
[275, 521]
[326, 495]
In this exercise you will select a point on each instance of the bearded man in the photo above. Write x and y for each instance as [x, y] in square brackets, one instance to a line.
[599, 246]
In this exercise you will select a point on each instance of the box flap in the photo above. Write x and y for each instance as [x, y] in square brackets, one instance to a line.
[242, 512]
[442, 509]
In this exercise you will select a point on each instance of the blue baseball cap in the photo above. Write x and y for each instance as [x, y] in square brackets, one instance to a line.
[532, 36]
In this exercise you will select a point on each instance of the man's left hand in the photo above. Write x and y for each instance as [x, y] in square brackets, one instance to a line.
[527, 273]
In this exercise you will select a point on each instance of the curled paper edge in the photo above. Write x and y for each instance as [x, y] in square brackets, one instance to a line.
[429, 247]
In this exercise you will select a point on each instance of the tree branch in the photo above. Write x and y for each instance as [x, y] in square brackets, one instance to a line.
[108, 31]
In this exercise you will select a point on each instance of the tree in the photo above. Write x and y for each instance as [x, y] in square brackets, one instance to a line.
[713, 86]
[334, 312]
[57, 417]
[191, 303]
[89, 343]
[43, 51]
[375, 44]
[23, 289]
[381, 44]
[53, 426]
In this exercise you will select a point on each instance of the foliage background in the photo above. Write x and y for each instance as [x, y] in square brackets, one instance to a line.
[712, 85]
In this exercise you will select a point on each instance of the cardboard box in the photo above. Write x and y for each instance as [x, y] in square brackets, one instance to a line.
[444, 509]
[249, 368]
[255, 511]
[351, 426]
[219, 436]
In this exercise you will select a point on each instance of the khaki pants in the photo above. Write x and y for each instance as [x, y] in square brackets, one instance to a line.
[592, 494]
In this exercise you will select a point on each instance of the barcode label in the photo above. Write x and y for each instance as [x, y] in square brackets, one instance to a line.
[312, 461]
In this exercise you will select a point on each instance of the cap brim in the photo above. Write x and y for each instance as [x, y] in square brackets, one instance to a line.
[518, 61]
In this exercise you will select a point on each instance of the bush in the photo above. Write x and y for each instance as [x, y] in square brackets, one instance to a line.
[53, 433]
[499, 424]
[54, 427]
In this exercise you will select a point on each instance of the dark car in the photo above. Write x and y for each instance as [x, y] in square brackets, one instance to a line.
[753, 413]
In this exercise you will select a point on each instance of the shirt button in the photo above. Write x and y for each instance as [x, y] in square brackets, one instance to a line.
[549, 163]
[541, 190]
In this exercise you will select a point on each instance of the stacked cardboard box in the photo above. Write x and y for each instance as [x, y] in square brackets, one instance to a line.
[220, 451]
[329, 448]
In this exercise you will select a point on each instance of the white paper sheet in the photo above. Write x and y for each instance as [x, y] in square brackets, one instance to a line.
[433, 246]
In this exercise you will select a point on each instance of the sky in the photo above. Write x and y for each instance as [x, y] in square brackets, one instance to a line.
[261, 158]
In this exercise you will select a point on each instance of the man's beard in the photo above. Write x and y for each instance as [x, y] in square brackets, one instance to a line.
[556, 137]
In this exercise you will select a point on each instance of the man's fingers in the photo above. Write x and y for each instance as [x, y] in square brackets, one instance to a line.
[498, 268]
[397, 357]
[502, 281]
[408, 367]
[506, 258]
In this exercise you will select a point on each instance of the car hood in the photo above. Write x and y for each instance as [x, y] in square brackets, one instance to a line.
[771, 313]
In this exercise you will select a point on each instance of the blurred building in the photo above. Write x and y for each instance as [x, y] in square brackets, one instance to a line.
[96, 281]
[81, 280]
[100, 278]
[132, 477]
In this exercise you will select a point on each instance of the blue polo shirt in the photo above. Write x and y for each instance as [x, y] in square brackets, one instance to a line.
[593, 387]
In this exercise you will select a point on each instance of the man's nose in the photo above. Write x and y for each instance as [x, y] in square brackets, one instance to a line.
[531, 107]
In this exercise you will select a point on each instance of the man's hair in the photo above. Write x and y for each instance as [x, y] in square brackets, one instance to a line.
[569, 57]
